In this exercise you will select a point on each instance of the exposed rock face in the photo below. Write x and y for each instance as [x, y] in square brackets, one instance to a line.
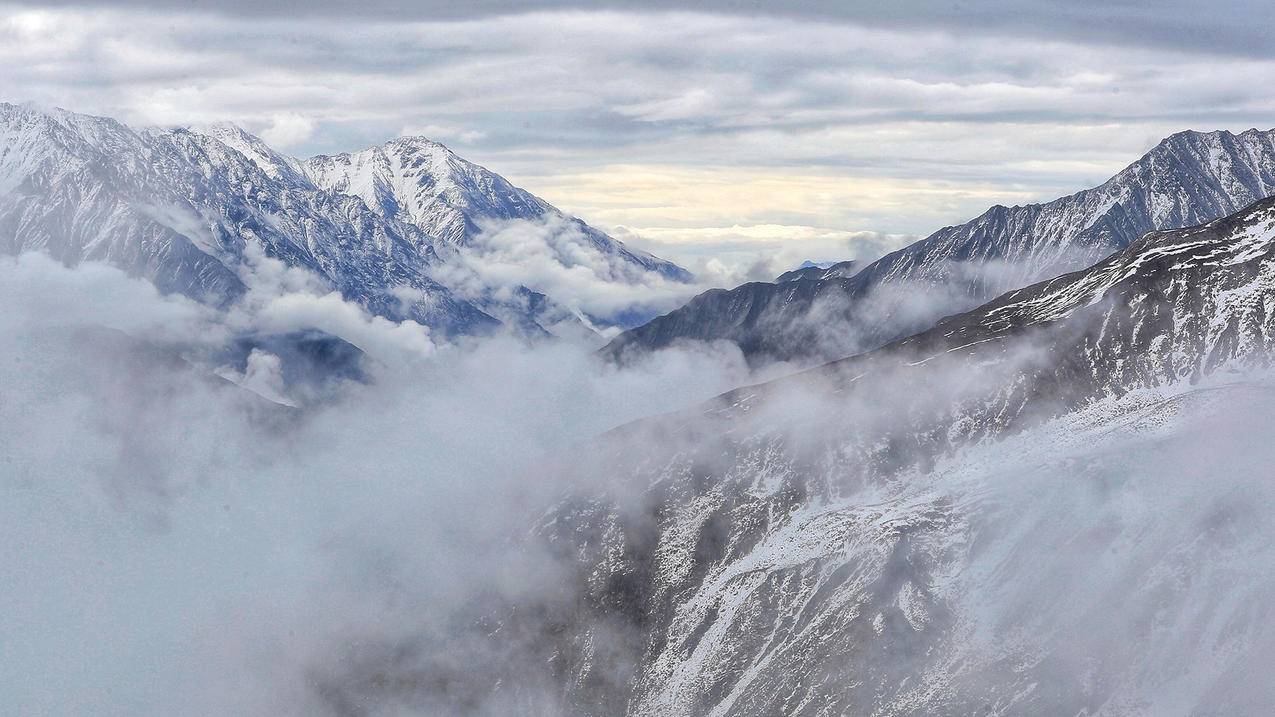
[424, 184]
[967, 521]
[1189, 178]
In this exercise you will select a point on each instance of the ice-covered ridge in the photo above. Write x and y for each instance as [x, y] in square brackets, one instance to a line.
[185, 207]
[423, 183]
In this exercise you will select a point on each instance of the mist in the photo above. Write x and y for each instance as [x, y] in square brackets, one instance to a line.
[175, 543]
[492, 526]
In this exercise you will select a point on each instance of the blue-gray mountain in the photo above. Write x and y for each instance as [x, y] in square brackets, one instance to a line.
[188, 208]
[1190, 177]
[810, 271]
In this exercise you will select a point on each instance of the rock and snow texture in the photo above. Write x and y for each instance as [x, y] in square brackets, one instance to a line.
[1190, 177]
[1037, 575]
[968, 521]
[421, 182]
[190, 209]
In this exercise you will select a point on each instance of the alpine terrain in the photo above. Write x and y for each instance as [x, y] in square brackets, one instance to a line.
[1188, 178]
[972, 520]
[198, 210]
[308, 415]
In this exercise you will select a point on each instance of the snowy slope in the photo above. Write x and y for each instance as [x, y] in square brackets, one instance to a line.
[425, 184]
[1190, 177]
[971, 520]
[190, 209]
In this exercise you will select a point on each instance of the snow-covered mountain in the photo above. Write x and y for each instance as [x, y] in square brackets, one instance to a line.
[189, 209]
[1190, 177]
[971, 520]
[423, 183]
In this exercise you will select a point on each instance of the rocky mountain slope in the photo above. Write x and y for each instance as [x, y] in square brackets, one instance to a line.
[967, 521]
[809, 271]
[831, 543]
[194, 209]
[1190, 177]
[424, 184]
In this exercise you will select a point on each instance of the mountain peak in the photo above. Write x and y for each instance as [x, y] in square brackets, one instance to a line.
[86, 126]
[422, 182]
[1191, 137]
[275, 164]
[418, 142]
[1188, 178]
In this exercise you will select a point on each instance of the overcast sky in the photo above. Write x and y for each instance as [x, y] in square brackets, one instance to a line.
[821, 125]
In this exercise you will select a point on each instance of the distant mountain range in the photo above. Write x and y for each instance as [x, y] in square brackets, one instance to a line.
[809, 271]
[187, 208]
[1190, 177]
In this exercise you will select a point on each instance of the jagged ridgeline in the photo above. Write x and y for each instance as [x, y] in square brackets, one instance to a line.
[1189, 178]
[187, 209]
[971, 520]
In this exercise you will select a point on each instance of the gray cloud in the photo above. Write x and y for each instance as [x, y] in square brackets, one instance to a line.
[1235, 27]
[166, 552]
[886, 119]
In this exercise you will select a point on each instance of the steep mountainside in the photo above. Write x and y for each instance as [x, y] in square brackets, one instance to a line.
[1190, 177]
[182, 209]
[830, 543]
[428, 186]
[787, 320]
[967, 521]
[192, 209]
[814, 272]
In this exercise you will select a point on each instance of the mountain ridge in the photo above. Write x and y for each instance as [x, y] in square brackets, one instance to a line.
[388, 178]
[798, 534]
[1187, 178]
[181, 207]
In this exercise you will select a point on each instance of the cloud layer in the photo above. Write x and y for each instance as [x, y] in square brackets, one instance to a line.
[895, 120]
[171, 544]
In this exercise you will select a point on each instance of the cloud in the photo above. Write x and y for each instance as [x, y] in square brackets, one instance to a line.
[556, 257]
[263, 375]
[283, 299]
[41, 293]
[444, 132]
[235, 557]
[330, 313]
[729, 256]
[1174, 24]
[288, 130]
[622, 116]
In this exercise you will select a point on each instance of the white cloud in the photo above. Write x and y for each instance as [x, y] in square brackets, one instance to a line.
[376, 335]
[559, 101]
[729, 256]
[262, 374]
[444, 133]
[288, 130]
[234, 559]
[39, 292]
[553, 256]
